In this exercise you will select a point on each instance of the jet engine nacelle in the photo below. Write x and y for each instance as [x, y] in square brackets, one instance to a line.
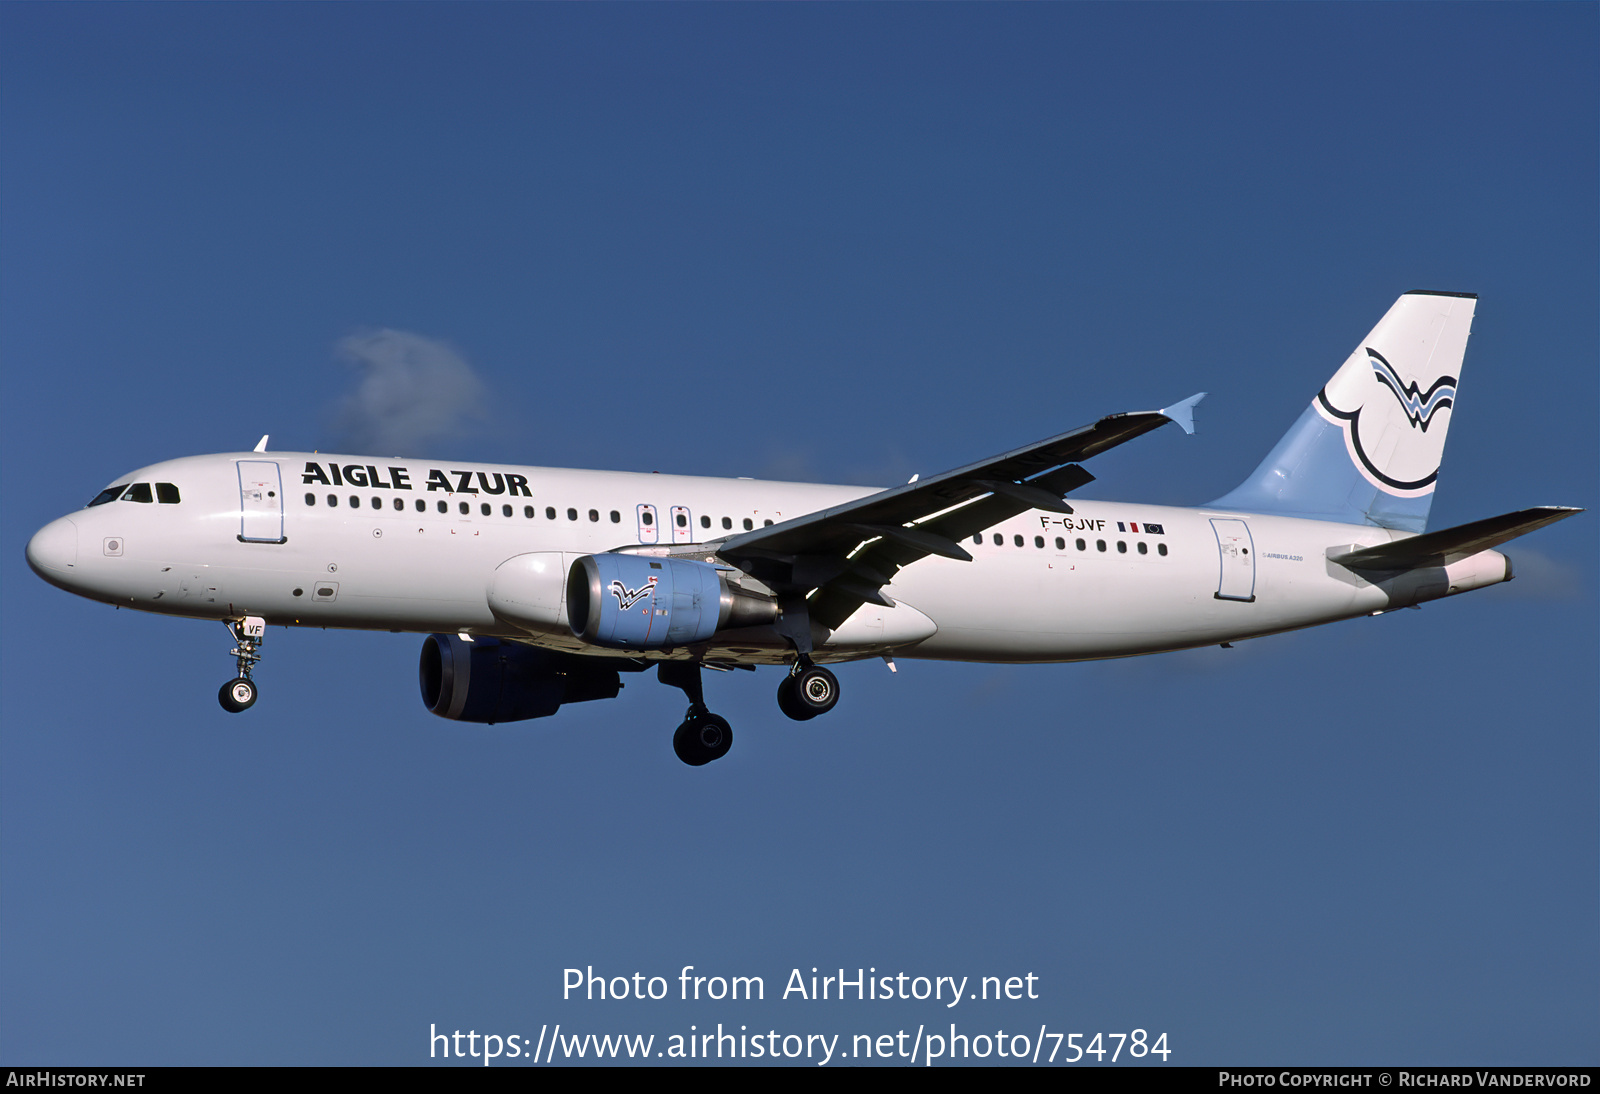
[640, 602]
[486, 680]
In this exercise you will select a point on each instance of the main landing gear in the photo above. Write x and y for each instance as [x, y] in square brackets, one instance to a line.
[808, 690]
[240, 693]
[703, 736]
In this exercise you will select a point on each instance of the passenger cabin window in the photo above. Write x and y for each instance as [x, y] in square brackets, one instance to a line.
[444, 507]
[527, 511]
[311, 499]
[705, 522]
[594, 516]
[748, 524]
[550, 512]
[466, 510]
[333, 501]
[505, 510]
[485, 509]
[1161, 549]
[572, 514]
[727, 522]
[167, 493]
[140, 492]
[111, 493]
[616, 517]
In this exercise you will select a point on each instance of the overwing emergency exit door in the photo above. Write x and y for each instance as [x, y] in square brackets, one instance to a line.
[682, 524]
[649, 525]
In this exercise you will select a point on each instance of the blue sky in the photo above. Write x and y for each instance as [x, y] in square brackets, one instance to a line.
[843, 243]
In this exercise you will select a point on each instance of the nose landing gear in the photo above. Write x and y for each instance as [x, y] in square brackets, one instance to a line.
[240, 693]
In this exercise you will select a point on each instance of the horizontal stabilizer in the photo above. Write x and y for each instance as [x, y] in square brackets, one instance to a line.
[1449, 545]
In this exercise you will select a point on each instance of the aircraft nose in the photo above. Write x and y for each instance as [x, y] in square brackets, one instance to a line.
[53, 550]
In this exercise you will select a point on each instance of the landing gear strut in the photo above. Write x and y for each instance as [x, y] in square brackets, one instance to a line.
[808, 690]
[703, 736]
[240, 693]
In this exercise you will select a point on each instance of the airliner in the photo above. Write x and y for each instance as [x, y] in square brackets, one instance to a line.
[538, 587]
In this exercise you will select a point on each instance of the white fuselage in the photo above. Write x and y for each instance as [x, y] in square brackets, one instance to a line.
[410, 545]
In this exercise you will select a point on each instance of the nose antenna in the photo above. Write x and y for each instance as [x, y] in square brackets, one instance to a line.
[261, 445]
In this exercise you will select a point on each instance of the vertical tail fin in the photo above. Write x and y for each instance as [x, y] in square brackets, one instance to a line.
[1367, 449]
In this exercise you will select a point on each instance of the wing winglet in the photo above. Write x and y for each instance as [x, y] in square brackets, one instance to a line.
[1183, 413]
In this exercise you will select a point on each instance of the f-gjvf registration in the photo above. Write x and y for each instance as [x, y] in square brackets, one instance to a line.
[539, 587]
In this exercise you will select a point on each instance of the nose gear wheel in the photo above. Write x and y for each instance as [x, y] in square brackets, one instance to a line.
[240, 693]
[237, 694]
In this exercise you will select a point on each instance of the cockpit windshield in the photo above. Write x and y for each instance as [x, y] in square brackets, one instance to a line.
[165, 492]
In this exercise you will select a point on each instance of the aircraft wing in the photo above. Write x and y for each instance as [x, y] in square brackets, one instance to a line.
[842, 556]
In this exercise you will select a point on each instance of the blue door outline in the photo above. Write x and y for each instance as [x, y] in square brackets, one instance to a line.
[1236, 560]
[260, 502]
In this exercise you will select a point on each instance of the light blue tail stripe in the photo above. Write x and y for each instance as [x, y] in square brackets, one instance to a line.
[1309, 474]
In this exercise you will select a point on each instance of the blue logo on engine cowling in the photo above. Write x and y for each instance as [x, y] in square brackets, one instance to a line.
[678, 602]
[627, 598]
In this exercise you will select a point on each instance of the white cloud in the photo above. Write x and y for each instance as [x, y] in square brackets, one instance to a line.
[413, 391]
